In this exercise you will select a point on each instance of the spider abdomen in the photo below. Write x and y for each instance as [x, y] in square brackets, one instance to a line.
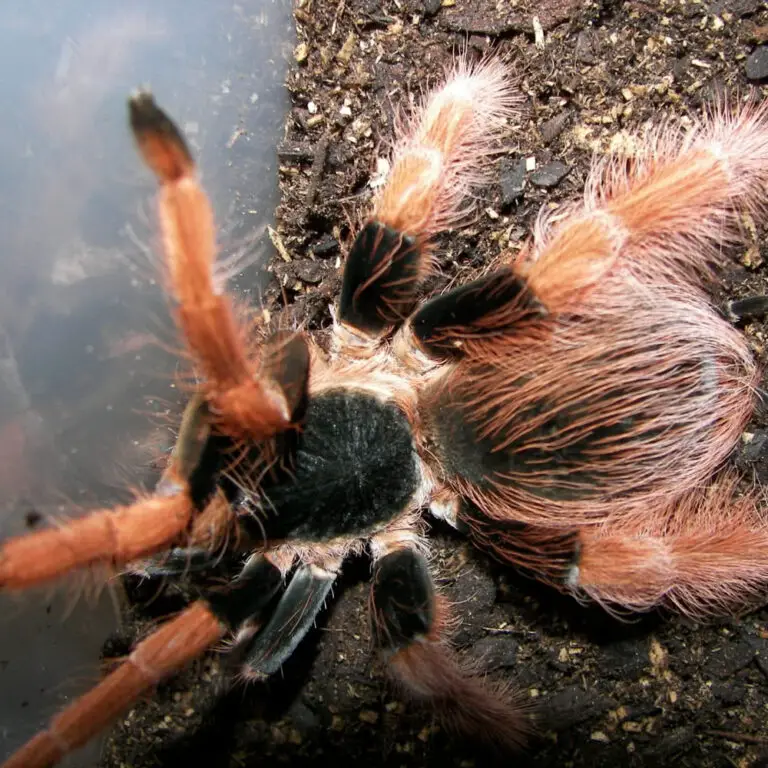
[605, 413]
[354, 468]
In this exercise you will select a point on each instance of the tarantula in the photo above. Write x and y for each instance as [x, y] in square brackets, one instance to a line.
[571, 409]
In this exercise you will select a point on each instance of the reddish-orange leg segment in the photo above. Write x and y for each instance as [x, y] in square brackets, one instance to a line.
[173, 645]
[116, 536]
[246, 406]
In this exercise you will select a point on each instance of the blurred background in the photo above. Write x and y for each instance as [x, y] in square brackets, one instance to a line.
[86, 391]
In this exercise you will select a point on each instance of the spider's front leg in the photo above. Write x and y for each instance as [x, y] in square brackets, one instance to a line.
[274, 643]
[243, 400]
[409, 624]
[116, 536]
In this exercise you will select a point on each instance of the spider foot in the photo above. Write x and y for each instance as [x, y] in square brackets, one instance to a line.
[409, 622]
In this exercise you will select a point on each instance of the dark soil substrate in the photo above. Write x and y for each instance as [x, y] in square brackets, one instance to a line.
[656, 691]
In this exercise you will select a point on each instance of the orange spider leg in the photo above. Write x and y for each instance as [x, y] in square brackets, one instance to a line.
[166, 650]
[247, 407]
[707, 555]
[663, 214]
[116, 536]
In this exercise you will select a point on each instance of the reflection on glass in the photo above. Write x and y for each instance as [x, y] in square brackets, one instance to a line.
[86, 373]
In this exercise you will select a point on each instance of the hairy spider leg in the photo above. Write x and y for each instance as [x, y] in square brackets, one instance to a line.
[120, 535]
[163, 652]
[660, 216]
[440, 155]
[706, 556]
[240, 402]
[245, 404]
[606, 412]
[410, 622]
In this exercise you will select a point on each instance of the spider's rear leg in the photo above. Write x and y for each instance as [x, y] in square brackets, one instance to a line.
[440, 156]
[120, 535]
[548, 553]
[247, 404]
[292, 618]
[708, 554]
[409, 625]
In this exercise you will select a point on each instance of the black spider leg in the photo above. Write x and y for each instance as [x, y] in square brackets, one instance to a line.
[177, 563]
[202, 455]
[402, 599]
[293, 617]
[380, 279]
[248, 598]
[409, 626]
[492, 308]
[489, 307]
[749, 308]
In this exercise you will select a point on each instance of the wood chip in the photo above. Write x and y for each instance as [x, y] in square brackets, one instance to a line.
[278, 243]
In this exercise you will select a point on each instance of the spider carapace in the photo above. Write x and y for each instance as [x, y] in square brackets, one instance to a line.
[571, 409]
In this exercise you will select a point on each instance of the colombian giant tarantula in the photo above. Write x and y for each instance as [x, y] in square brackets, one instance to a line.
[571, 409]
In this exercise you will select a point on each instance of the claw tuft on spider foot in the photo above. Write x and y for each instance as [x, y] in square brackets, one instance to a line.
[161, 143]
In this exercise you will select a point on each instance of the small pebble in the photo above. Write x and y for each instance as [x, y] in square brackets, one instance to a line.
[550, 175]
[552, 128]
[756, 446]
[757, 63]
[512, 177]
[326, 246]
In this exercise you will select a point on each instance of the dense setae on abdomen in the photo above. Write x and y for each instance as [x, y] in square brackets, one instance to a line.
[590, 411]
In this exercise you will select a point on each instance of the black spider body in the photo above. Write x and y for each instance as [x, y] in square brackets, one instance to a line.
[353, 468]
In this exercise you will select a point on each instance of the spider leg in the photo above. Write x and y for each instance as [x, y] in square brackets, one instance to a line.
[293, 617]
[488, 308]
[247, 403]
[548, 553]
[707, 555]
[409, 624]
[439, 157]
[661, 217]
[749, 308]
[116, 536]
[166, 650]
[177, 642]
[245, 600]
